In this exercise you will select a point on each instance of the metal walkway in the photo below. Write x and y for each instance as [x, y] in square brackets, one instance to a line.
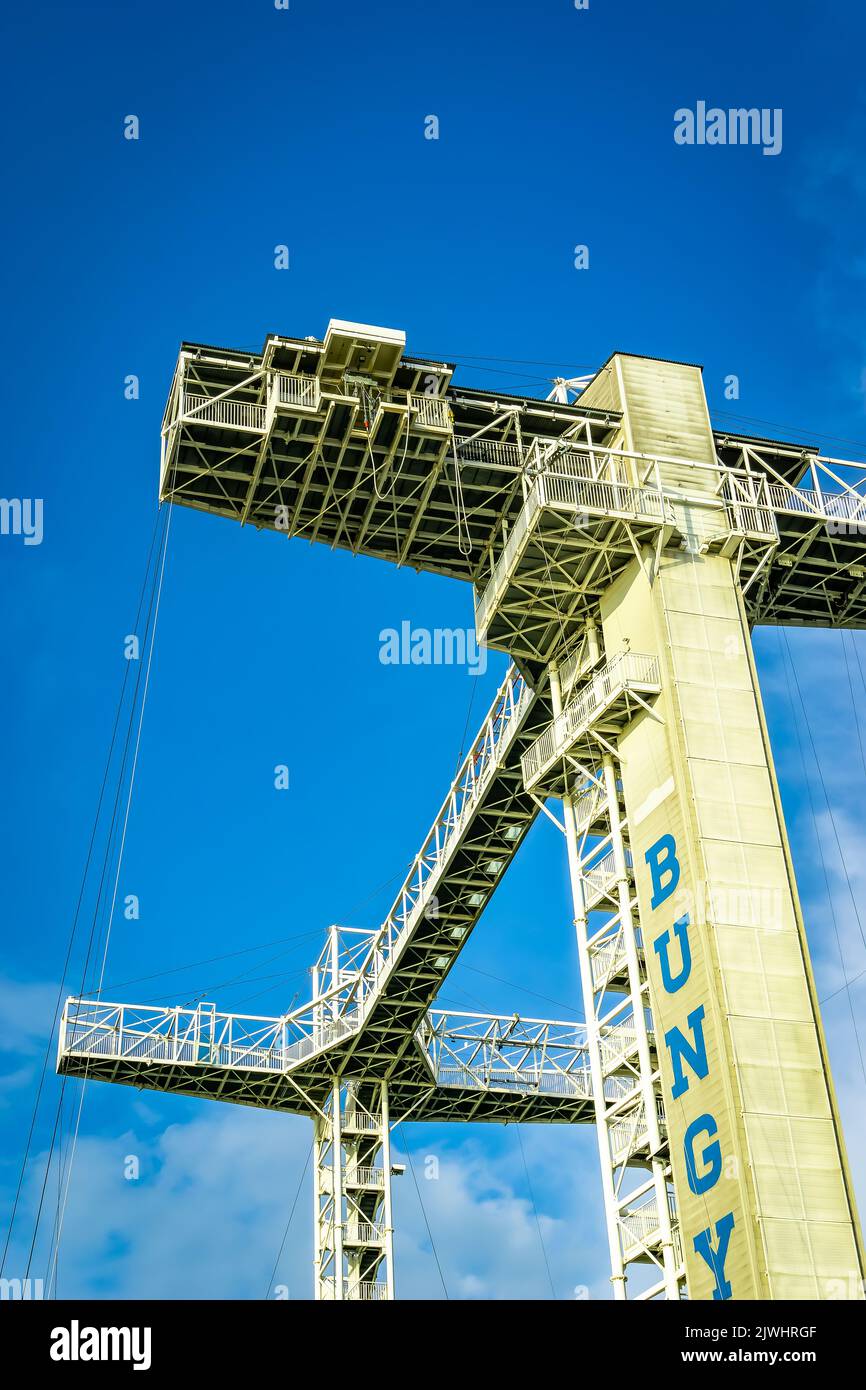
[461, 1066]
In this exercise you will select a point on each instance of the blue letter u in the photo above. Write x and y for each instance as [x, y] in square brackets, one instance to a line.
[660, 946]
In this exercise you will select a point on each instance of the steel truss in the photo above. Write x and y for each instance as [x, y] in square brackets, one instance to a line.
[351, 442]
[460, 1066]
[354, 1256]
[464, 1067]
[629, 1109]
[577, 764]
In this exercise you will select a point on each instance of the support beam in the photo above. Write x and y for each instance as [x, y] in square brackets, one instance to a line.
[352, 1195]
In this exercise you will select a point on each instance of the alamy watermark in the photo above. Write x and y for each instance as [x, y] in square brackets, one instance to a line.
[15, 1290]
[738, 904]
[437, 646]
[77, 1343]
[22, 516]
[847, 527]
[736, 126]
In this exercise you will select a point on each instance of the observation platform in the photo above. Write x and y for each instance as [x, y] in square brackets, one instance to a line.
[352, 442]
[585, 513]
[462, 1066]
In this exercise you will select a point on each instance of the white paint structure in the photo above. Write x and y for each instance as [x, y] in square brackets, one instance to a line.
[620, 550]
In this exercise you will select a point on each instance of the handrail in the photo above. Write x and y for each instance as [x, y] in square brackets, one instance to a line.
[496, 453]
[362, 1233]
[847, 506]
[559, 486]
[482, 761]
[748, 506]
[473, 1051]
[367, 1291]
[531, 1056]
[365, 1175]
[643, 1220]
[623, 671]
[431, 412]
[293, 389]
[222, 410]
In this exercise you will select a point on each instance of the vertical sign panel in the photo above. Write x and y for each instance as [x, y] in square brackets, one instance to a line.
[761, 1181]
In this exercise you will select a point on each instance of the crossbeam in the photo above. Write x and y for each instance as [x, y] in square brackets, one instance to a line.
[318, 478]
[461, 1065]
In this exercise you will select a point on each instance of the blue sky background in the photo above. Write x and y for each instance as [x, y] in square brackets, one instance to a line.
[306, 127]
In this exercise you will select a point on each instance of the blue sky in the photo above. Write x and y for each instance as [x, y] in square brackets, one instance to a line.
[305, 127]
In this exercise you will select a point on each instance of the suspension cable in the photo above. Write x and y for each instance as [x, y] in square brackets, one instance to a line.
[535, 1212]
[110, 921]
[77, 912]
[404, 1144]
[291, 1217]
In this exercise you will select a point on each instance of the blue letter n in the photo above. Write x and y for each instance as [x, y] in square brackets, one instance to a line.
[694, 1053]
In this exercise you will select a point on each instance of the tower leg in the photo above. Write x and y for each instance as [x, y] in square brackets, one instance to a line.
[352, 1194]
[625, 1080]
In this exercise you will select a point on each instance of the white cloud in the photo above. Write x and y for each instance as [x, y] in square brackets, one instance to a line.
[26, 1011]
[207, 1215]
[482, 1218]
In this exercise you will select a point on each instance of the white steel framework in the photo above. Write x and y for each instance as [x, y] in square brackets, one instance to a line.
[547, 507]
[352, 1173]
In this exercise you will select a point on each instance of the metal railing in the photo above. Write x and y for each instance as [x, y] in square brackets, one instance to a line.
[225, 411]
[616, 1042]
[484, 1052]
[576, 665]
[543, 1083]
[361, 1121]
[588, 806]
[362, 1290]
[602, 495]
[149, 1033]
[296, 392]
[598, 878]
[833, 506]
[621, 673]
[504, 566]
[496, 453]
[748, 506]
[431, 412]
[322, 1035]
[474, 1051]
[799, 501]
[627, 1132]
[362, 1233]
[574, 492]
[607, 958]
[643, 1222]
[365, 1176]
[367, 1291]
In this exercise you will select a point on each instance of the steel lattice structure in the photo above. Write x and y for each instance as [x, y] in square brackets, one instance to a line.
[620, 550]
